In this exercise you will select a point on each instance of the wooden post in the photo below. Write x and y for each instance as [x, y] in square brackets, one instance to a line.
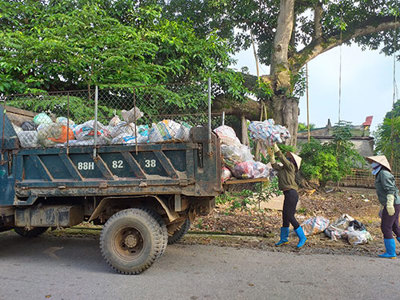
[245, 137]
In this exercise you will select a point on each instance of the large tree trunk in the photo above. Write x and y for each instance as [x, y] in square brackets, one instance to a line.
[285, 111]
[284, 107]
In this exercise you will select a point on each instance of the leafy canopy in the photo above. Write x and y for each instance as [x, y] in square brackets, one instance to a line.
[56, 45]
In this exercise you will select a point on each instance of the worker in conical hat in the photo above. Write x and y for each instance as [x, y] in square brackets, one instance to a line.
[286, 179]
[388, 196]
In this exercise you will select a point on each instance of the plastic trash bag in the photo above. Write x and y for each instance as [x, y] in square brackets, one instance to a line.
[85, 131]
[357, 237]
[225, 174]
[250, 169]
[183, 133]
[267, 132]
[234, 154]
[315, 225]
[123, 128]
[227, 135]
[165, 130]
[47, 131]
[130, 116]
[28, 139]
[64, 121]
[336, 229]
[28, 126]
[114, 121]
[42, 118]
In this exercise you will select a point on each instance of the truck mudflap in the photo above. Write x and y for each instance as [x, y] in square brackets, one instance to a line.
[48, 216]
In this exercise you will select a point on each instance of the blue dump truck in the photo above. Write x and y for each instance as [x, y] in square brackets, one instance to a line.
[144, 195]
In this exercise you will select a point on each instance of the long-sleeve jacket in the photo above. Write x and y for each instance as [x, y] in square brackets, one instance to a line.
[286, 173]
[385, 184]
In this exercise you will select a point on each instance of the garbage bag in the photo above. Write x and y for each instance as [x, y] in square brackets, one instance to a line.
[47, 131]
[28, 126]
[123, 128]
[64, 121]
[183, 132]
[357, 237]
[315, 225]
[225, 174]
[114, 121]
[42, 118]
[227, 135]
[336, 229]
[66, 134]
[234, 154]
[165, 130]
[250, 169]
[85, 131]
[267, 132]
[130, 116]
[28, 139]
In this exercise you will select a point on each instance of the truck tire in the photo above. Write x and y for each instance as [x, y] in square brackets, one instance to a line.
[131, 240]
[164, 232]
[179, 233]
[30, 233]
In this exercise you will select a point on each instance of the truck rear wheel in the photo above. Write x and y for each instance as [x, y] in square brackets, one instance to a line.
[131, 240]
[179, 233]
[30, 233]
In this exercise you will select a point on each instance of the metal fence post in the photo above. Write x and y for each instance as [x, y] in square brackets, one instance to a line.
[96, 98]
[209, 116]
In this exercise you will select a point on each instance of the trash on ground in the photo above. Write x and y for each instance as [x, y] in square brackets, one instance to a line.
[315, 225]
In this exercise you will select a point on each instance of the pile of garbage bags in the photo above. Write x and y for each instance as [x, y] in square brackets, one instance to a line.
[237, 158]
[268, 133]
[345, 227]
[348, 228]
[44, 131]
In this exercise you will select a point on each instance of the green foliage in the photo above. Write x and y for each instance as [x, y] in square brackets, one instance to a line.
[53, 45]
[330, 161]
[387, 136]
[79, 109]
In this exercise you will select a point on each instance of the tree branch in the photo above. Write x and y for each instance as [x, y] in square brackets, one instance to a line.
[323, 44]
[318, 11]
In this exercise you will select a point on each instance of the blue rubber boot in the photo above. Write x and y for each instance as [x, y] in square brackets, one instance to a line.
[284, 236]
[302, 237]
[390, 246]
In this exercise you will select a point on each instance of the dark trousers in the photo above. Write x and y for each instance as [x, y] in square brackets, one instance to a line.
[289, 208]
[390, 224]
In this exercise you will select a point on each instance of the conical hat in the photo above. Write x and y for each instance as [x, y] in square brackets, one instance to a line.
[297, 159]
[380, 159]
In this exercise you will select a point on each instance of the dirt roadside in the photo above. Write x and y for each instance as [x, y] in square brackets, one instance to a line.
[240, 228]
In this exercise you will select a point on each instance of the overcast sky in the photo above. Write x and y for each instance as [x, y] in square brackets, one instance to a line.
[367, 85]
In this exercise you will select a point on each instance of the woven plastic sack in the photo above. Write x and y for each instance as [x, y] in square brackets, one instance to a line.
[42, 118]
[315, 225]
[227, 135]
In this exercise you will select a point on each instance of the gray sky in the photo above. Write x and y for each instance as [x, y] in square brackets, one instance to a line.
[367, 85]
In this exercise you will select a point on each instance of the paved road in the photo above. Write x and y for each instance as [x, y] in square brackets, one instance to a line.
[72, 268]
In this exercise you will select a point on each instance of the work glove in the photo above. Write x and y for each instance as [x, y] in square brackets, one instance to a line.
[390, 204]
[276, 148]
[271, 154]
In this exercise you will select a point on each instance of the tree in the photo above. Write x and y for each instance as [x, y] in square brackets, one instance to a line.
[387, 136]
[57, 45]
[290, 33]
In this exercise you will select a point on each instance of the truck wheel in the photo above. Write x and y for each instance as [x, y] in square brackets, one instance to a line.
[131, 240]
[164, 232]
[30, 233]
[179, 233]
